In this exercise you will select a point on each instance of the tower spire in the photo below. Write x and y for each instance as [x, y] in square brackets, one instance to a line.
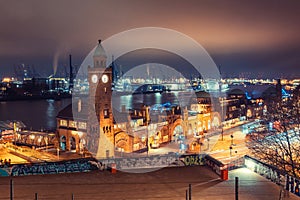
[99, 56]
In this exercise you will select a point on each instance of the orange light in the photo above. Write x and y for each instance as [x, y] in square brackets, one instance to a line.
[6, 80]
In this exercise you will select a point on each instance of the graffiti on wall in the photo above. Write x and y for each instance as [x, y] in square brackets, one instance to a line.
[275, 175]
[194, 159]
[214, 164]
[4, 171]
[156, 161]
[81, 165]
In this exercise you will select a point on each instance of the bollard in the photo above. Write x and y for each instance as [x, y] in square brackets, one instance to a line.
[72, 196]
[36, 196]
[236, 188]
[11, 189]
[186, 195]
[113, 168]
[190, 191]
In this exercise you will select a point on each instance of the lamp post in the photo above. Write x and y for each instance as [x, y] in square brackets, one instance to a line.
[46, 141]
[15, 132]
[208, 144]
[57, 153]
[147, 141]
[200, 144]
[222, 118]
[222, 133]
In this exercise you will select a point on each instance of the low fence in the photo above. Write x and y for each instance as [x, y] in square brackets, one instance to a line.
[272, 173]
[139, 162]
[168, 160]
[214, 164]
[159, 161]
[236, 163]
[88, 164]
[70, 166]
[155, 161]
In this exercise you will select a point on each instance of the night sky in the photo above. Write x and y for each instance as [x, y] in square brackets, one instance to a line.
[246, 38]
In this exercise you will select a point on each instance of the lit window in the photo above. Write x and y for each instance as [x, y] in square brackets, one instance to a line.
[81, 125]
[63, 123]
[72, 124]
[106, 113]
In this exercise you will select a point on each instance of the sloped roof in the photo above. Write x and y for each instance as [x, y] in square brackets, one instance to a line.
[8, 124]
[71, 111]
[99, 51]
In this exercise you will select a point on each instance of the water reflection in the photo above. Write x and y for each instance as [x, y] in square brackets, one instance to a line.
[51, 113]
[36, 114]
[41, 114]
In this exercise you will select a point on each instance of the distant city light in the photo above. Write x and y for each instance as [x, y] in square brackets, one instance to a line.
[6, 80]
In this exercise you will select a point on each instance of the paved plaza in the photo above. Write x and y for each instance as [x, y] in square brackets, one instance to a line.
[167, 184]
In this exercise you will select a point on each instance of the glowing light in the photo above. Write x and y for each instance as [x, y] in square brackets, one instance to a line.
[284, 93]
[250, 164]
[245, 171]
[6, 80]
[247, 95]
[182, 146]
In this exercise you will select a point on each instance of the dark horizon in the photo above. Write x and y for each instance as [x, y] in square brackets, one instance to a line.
[257, 39]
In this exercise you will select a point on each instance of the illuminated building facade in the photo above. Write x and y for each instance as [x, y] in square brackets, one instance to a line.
[107, 132]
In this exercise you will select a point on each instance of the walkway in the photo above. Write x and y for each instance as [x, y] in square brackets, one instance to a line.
[164, 184]
[251, 186]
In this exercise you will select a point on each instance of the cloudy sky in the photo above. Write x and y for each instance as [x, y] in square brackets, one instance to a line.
[255, 38]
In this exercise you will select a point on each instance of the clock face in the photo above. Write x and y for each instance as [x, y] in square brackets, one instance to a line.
[94, 78]
[104, 78]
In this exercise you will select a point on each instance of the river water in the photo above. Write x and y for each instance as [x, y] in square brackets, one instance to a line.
[41, 114]
[36, 114]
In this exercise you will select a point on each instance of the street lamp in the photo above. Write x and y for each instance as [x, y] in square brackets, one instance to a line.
[222, 133]
[147, 146]
[222, 117]
[147, 140]
[207, 143]
[200, 144]
[57, 153]
[231, 139]
[230, 150]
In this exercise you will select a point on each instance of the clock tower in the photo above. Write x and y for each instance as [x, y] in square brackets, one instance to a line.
[100, 131]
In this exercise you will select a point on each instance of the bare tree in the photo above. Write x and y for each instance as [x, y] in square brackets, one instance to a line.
[279, 146]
